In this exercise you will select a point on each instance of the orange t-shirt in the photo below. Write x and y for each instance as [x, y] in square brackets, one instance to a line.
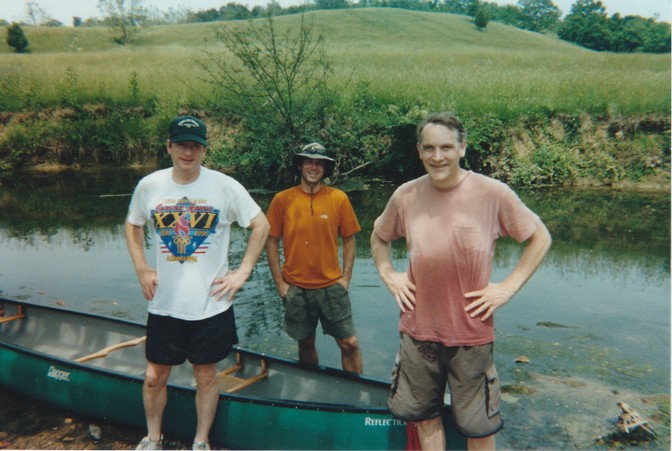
[309, 227]
[451, 235]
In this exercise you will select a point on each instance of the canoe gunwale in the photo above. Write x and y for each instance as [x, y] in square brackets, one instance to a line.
[226, 397]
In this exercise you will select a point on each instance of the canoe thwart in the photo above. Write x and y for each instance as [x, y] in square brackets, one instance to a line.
[19, 315]
[105, 351]
[232, 384]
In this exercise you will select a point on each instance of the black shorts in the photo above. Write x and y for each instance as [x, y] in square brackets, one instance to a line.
[171, 341]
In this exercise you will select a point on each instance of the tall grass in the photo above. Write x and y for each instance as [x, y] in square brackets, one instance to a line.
[438, 60]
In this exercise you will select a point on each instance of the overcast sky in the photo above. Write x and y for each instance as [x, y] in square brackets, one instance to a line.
[65, 10]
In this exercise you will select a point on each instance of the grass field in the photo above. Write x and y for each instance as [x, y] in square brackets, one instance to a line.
[439, 60]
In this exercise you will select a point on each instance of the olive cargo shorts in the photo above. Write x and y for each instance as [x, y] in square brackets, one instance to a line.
[330, 305]
[421, 372]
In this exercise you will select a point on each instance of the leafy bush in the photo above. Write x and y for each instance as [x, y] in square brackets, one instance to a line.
[276, 89]
[16, 38]
[26, 140]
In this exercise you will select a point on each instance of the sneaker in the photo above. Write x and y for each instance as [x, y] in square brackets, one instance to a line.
[201, 446]
[147, 443]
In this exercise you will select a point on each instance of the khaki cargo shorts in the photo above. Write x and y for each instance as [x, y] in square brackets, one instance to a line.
[330, 305]
[421, 372]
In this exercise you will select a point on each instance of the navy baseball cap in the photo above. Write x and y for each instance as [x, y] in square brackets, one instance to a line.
[188, 128]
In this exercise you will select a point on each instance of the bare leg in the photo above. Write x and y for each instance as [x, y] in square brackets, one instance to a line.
[207, 397]
[483, 443]
[351, 358]
[154, 396]
[307, 352]
[431, 434]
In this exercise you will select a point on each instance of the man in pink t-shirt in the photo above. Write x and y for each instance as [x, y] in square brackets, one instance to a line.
[451, 219]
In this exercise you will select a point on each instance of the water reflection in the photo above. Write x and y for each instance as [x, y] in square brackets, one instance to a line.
[598, 308]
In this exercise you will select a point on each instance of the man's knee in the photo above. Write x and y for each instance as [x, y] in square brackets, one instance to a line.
[348, 345]
[205, 376]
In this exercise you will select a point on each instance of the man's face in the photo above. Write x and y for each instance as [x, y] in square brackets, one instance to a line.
[186, 155]
[312, 170]
[440, 152]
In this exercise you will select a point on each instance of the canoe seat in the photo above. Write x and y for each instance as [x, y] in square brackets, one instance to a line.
[19, 315]
[232, 384]
[105, 351]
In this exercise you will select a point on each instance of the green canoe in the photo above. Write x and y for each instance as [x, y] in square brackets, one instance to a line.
[95, 366]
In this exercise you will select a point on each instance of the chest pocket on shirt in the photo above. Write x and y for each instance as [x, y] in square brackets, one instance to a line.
[467, 238]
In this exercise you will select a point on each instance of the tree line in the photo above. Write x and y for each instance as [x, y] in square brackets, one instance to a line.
[273, 93]
[587, 24]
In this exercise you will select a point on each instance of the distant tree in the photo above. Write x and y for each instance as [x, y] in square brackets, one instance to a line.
[658, 38]
[472, 7]
[52, 23]
[17, 39]
[208, 15]
[509, 15]
[331, 4]
[637, 34]
[234, 11]
[464, 7]
[76, 21]
[481, 18]
[177, 15]
[257, 11]
[587, 25]
[37, 13]
[125, 15]
[587, 8]
[539, 15]
[491, 8]
[626, 34]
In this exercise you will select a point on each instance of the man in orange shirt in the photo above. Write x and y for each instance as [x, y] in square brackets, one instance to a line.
[310, 218]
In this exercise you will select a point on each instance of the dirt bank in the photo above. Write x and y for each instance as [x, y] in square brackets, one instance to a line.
[27, 424]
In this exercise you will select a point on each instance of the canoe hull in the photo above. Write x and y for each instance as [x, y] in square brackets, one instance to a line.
[243, 421]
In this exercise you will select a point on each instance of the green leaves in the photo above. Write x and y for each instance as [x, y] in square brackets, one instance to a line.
[17, 39]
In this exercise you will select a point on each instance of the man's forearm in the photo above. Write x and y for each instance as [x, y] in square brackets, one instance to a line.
[135, 244]
[273, 258]
[382, 255]
[536, 248]
[255, 242]
[348, 257]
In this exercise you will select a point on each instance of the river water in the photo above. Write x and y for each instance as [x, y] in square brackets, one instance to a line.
[594, 321]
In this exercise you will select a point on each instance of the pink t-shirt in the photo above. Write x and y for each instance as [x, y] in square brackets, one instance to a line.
[451, 235]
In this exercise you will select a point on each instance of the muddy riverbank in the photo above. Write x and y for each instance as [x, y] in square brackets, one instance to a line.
[29, 424]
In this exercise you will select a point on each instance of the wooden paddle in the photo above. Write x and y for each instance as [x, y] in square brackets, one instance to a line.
[105, 351]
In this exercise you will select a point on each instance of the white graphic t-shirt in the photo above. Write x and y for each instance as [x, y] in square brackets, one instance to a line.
[192, 227]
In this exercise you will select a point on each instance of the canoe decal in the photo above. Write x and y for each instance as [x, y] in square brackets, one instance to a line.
[57, 374]
[386, 422]
[184, 227]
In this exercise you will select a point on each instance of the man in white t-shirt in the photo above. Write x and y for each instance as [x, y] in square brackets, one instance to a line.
[190, 293]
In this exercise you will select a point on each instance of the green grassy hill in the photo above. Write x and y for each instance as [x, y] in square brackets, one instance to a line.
[539, 111]
[437, 59]
[380, 26]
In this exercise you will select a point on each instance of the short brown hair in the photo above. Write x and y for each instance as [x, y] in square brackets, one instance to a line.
[448, 120]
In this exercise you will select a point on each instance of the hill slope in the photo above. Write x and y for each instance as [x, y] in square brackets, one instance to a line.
[383, 26]
[440, 60]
